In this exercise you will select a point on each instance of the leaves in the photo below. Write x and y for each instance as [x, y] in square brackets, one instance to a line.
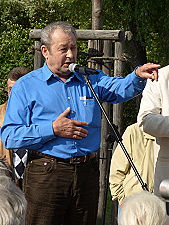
[147, 19]
[14, 45]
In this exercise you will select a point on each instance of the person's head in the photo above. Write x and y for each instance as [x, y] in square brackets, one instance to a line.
[142, 208]
[14, 75]
[13, 206]
[12, 200]
[59, 47]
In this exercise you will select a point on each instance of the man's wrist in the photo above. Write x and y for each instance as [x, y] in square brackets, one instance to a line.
[135, 71]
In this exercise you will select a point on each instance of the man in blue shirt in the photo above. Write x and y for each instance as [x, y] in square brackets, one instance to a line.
[52, 113]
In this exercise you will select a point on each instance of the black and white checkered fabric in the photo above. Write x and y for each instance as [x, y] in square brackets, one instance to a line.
[19, 161]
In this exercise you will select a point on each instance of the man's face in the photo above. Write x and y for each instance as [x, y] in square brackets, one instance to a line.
[62, 52]
[10, 83]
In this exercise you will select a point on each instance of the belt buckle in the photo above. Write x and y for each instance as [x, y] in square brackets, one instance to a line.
[77, 160]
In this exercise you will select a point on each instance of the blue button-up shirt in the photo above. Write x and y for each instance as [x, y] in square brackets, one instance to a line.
[39, 97]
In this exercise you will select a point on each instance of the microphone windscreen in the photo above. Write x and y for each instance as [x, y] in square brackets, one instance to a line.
[72, 67]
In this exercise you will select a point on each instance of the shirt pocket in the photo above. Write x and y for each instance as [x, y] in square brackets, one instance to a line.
[92, 112]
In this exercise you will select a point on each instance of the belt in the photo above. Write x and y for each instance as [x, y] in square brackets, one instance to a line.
[73, 160]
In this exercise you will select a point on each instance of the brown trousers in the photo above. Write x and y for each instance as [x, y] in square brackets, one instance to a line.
[61, 193]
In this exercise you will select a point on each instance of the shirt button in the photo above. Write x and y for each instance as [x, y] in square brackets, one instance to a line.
[68, 97]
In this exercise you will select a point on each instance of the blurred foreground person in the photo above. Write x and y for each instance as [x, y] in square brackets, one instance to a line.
[143, 208]
[12, 200]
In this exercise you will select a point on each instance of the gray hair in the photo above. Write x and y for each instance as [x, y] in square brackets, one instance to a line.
[46, 32]
[143, 208]
[12, 200]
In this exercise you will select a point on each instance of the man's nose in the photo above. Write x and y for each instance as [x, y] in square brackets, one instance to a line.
[69, 53]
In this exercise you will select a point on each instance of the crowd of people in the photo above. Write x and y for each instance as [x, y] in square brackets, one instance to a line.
[52, 128]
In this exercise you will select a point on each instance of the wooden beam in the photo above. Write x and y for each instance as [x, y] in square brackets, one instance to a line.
[88, 34]
[97, 14]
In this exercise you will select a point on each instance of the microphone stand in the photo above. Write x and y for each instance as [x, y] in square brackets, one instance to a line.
[115, 132]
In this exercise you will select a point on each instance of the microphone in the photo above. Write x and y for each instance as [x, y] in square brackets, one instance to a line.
[73, 67]
[164, 192]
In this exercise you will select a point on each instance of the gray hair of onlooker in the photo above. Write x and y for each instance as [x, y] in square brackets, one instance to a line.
[143, 208]
[46, 32]
[12, 200]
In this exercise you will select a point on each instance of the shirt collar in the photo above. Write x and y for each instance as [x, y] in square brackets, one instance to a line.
[47, 73]
[78, 76]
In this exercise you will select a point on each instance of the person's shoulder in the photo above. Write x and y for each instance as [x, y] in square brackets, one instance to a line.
[133, 129]
[133, 126]
[2, 113]
[3, 106]
[29, 77]
[164, 71]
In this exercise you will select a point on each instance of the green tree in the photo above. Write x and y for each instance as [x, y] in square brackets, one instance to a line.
[147, 19]
[18, 17]
[14, 46]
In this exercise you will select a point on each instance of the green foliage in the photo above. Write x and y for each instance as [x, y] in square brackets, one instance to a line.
[17, 17]
[14, 11]
[149, 22]
[147, 19]
[42, 12]
[14, 45]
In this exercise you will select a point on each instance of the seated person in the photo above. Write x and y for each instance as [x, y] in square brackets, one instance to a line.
[12, 200]
[143, 208]
[143, 151]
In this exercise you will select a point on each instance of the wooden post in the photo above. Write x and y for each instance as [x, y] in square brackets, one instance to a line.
[97, 24]
[38, 59]
[117, 108]
[97, 14]
[118, 71]
[105, 154]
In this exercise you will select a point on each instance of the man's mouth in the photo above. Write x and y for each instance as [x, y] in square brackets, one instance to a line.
[68, 63]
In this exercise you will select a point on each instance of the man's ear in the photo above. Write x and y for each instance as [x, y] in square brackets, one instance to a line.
[45, 51]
